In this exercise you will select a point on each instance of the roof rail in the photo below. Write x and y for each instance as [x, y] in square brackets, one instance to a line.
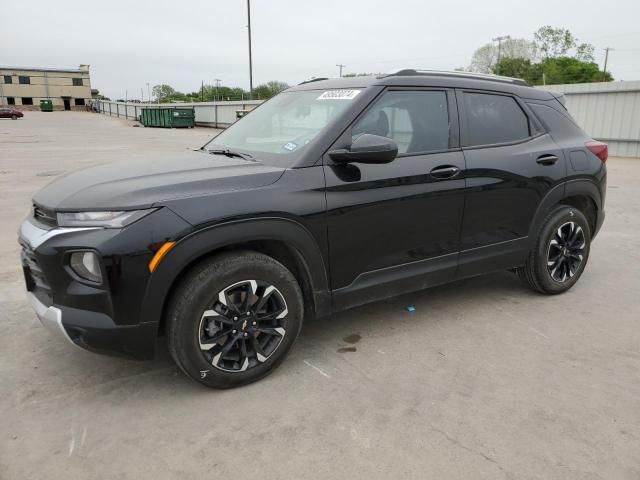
[314, 80]
[459, 74]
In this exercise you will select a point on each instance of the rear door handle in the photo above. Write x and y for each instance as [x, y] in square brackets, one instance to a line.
[446, 171]
[547, 159]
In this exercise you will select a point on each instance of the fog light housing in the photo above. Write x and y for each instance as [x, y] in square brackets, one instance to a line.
[86, 265]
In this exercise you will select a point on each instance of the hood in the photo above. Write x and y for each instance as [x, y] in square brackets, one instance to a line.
[143, 182]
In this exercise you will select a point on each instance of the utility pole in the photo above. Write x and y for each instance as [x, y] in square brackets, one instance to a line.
[202, 91]
[606, 58]
[340, 66]
[217, 80]
[148, 93]
[250, 60]
[500, 40]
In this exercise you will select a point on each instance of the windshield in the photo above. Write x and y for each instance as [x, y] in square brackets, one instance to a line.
[278, 131]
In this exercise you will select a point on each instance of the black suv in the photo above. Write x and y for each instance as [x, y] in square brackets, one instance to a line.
[333, 194]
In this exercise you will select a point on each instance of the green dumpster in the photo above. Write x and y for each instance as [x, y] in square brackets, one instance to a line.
[46, 106]
[168, 117]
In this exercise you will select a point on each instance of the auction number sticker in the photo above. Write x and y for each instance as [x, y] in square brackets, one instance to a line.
[339, 95]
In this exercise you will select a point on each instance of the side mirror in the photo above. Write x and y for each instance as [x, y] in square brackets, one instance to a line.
[367, 148]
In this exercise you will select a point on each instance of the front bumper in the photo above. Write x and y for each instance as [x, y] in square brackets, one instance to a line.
[96, 332]
[50, 317]
[107, 317]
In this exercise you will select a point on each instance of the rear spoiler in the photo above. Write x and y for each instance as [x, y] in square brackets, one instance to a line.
[560, 98]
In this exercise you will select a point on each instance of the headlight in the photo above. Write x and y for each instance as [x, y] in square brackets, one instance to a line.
[86, 265]
[101, 219]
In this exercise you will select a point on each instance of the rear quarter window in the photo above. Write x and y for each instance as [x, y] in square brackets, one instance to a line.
[557, 123]
[492, 119]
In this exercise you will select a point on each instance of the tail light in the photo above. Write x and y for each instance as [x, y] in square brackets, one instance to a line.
[599, 149]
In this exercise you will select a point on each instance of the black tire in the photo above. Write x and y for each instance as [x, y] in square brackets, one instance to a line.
[197, 294]
[553, 268]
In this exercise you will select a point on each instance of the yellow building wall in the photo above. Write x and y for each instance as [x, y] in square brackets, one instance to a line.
[45, 84]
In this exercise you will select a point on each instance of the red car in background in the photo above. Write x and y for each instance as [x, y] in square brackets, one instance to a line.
[11, 113]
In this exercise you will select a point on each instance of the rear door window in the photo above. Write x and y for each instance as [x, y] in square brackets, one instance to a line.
[492, 119]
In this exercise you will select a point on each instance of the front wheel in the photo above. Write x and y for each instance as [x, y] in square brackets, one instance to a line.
[234, 318]
[14, 117]
[561, 252]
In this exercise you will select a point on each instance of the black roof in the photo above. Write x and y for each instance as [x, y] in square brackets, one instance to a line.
[430, 78]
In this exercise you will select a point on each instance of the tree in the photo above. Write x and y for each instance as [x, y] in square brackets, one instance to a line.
[163, 93]
[518, 48]
[571, 70]
[558, 42]
[212, 93]
[517, 68]
[585, 52]
[485, 58]
[552, 71]
[269, 89]
[555, 56]
[553, 42]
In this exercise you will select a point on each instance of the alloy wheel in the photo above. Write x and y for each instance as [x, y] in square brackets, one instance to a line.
[566, 252]
[244, 326]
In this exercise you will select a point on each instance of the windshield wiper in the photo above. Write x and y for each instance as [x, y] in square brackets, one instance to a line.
[231, 153]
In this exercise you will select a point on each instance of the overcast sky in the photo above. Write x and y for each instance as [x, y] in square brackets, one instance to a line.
[129, 43]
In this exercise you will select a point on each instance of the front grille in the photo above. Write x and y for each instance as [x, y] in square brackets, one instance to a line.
[43, 215]
[33, 274]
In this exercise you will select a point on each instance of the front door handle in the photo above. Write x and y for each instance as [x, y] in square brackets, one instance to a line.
[446, 171]
[547, 159]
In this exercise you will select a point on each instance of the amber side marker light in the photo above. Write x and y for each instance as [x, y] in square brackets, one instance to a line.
[166, 246]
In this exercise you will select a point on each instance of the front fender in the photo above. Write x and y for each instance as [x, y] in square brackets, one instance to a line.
[202, 242]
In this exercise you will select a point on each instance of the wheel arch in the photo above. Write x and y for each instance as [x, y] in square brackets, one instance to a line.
[285, 240]
[581, 194]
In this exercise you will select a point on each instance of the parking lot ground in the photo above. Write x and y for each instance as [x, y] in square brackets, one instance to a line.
[485, 380]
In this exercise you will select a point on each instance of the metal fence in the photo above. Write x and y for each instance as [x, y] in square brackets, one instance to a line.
[208, 114]
[609, 112]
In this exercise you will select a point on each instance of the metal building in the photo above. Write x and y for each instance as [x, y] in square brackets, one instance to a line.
[610, 112]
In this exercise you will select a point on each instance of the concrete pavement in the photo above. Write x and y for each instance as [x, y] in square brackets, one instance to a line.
[485, 380]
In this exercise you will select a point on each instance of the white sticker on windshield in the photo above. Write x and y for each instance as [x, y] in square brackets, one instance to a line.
[339, 95]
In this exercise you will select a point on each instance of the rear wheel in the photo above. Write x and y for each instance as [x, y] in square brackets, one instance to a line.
[233, 319]
[561, 252]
